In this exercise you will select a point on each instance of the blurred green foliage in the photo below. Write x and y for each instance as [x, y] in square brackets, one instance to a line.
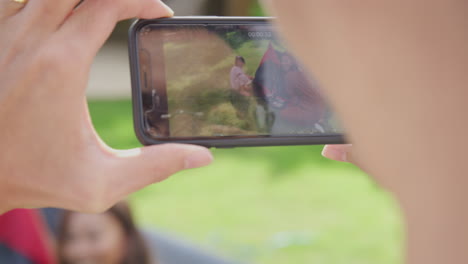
[256, 9]
[235, 39]
[270, 205]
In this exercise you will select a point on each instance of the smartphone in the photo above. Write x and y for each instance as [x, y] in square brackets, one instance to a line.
[223, 82]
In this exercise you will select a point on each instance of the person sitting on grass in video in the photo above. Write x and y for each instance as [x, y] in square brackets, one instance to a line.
[240, 81]
[241, 88]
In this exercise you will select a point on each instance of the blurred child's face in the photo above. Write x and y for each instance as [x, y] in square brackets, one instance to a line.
[93, 239]
[239, 63]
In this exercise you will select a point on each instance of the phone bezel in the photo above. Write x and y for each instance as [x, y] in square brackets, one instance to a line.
[227, 142]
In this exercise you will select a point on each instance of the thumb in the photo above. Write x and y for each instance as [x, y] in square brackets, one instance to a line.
[344, 153]
[131, 170]
[338, 152]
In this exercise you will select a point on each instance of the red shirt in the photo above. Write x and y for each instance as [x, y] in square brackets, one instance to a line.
[24, 232]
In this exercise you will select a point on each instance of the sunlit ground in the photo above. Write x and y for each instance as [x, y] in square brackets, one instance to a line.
[266, 205]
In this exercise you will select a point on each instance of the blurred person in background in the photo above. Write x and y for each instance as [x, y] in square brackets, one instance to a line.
[49, 236]
[241, 88]
[107, 238]
[113, 237]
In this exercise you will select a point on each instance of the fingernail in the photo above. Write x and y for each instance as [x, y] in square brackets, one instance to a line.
[198, 159]
[169, 10]
[335, 154]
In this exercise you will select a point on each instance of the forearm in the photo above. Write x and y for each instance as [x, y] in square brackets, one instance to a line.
[396, 73]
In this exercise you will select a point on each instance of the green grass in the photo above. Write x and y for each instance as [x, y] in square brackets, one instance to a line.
[266, 205]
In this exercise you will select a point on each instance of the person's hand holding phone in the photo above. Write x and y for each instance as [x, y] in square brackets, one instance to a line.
[51, 155]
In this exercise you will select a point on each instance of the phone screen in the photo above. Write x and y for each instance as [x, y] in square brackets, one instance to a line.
[224, 80]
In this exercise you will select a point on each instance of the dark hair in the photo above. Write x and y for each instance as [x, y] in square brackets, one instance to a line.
[137, 250]
[240, 58]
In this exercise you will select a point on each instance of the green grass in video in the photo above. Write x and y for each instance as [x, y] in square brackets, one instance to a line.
[266, 205]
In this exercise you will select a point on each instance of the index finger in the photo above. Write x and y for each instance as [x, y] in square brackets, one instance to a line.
[93, 21]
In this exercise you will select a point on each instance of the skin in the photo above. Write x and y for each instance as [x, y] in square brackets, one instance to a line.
[94, 239]
[51, 155]
[338, 152]
[395, 72]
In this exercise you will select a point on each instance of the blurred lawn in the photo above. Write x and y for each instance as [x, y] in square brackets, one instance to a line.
[266, 205]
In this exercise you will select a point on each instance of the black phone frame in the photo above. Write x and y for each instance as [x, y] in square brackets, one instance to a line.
[227, 142]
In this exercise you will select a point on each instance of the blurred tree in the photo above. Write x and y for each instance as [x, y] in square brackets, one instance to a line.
[237, 7]
[213, 7]
[256, 9]
[199, 7]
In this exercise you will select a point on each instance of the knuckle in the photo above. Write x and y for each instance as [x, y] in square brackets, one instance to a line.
[112, 6]
[15, 49]
[51, 59]
[45, 7]
[119, 8]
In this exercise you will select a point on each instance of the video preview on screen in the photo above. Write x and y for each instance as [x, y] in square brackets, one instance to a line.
[227, 81]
